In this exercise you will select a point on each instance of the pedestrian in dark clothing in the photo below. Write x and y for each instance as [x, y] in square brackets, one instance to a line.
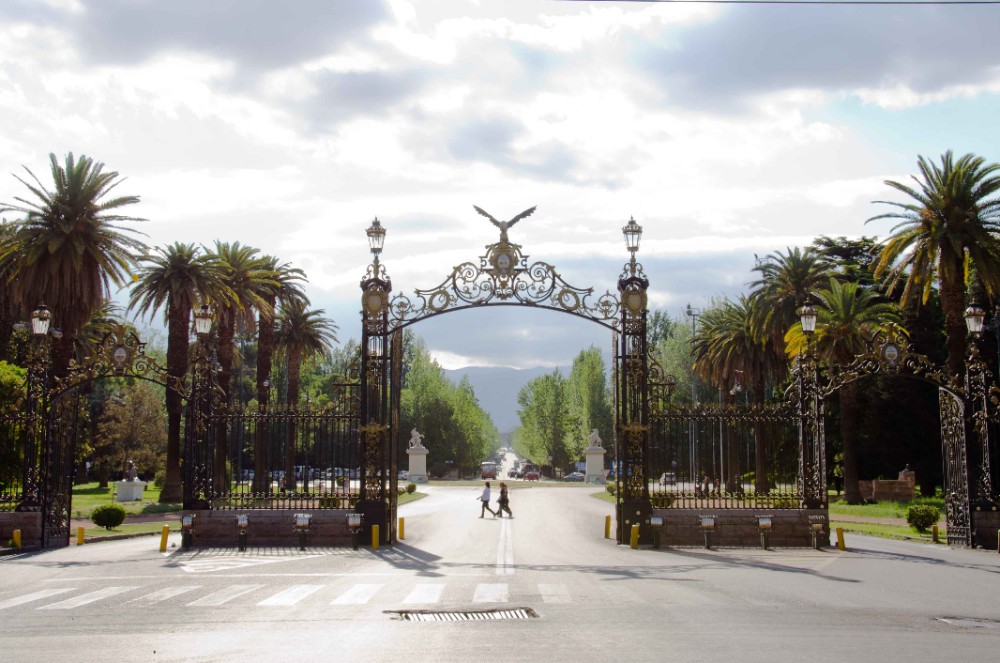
[485, 498]
[503, 503]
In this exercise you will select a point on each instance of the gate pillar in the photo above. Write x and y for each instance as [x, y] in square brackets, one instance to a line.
[632, 407]
[375, 431]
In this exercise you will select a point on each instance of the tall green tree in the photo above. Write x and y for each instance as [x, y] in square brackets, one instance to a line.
[589, 405]
[300, 334]
[70, 247]
[846, 315]
[546, 425]
[952, 217]
[176, 279]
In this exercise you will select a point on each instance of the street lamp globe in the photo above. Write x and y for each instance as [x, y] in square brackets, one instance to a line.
[376, 237]
[40, 319]
[807, 316]
[203, 321]
[633, 233]
[974, 317]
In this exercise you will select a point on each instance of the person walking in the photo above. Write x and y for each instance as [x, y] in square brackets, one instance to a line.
[503, 502]
[485, 498]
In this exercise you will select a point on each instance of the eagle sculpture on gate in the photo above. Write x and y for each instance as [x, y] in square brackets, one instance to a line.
[504, 225]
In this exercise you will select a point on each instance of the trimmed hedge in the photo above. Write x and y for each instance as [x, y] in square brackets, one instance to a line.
[922, 516]
[108, 516]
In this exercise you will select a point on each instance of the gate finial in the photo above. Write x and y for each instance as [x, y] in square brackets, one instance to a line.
[504, 225]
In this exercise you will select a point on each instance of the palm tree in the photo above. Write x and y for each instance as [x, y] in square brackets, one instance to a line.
[300, 334]
[70, 247]
[728, 345]
[785, 284]
[846, 316]
[176, 279]
[249, 277]
[953, 218]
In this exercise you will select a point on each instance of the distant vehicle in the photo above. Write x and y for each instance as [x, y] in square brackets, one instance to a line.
[403, 475]
[530, 472]
[488, 470]
[668, 478]
[574, 476]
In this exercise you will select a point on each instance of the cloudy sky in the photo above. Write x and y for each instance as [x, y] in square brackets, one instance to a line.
[725, 130]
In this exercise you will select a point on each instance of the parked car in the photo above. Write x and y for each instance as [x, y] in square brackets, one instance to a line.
[531, 475]
[574, 476]
[403, 475]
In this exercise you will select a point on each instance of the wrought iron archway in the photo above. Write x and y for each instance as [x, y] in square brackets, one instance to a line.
[964, 413]
[52, 418]
[503, 276]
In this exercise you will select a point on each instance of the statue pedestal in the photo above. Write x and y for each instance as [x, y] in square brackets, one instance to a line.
[595, 465]
[129, 491]
[418, 463]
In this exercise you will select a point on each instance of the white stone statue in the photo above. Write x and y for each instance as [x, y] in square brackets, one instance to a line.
[416, 439]
[595, 439]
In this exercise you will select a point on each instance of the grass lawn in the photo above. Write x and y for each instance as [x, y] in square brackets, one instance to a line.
[125, 528]
[88, 496]
[904, 532]
[884, 509]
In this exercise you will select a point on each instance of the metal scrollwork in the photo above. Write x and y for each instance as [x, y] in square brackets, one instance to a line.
[503, 276]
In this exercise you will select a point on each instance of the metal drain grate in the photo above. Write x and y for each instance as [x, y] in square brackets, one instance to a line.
[462, 616]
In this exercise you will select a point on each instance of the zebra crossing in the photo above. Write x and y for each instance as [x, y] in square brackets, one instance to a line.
[265, 596]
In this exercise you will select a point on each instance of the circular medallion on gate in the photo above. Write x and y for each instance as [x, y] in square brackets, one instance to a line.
[635, 301]
[891, 354]
[374, 301]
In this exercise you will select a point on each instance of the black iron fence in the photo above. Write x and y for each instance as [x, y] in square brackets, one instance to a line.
[279, 459]
[734, 457]
[20, 460]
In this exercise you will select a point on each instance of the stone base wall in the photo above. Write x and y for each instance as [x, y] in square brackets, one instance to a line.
[885, 489]
[985, 525]
[738, 528]
[30, 524]
[274, 528]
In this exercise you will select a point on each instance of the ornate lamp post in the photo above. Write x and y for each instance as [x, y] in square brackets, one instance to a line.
[197, 450]
[812, 457]
[976, 392]
[632, 438]
[36, 390]
[374, 498]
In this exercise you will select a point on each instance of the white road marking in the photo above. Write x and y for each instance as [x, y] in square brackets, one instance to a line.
[209, 564]
[224, 595]
[164, 594]
[554, 593]
[84, 599]
[34, 596]
[505, 549]
[425, 593]
[490, 593]
[357, 595]
[292, 595]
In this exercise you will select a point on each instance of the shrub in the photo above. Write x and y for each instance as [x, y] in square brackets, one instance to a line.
[411, 488]
[921, 516]
[160, 478]
[108, 515]
[611, 487]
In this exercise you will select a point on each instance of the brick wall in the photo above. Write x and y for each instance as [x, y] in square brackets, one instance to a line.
[791, 528]
[985, 525]
[273, 528]
[30, 524]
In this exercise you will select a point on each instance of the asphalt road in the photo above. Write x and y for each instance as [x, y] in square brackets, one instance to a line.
[581, 597]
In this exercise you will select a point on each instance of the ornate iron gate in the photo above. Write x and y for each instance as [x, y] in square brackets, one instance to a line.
[502, 277]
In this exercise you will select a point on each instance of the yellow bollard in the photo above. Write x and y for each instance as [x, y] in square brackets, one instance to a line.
[934, 534]
[17, 538]
[79, 536]
[607, 527]
[402, 528]
[840, 539]
[374, 537]
[635, 536]
[163, 538]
